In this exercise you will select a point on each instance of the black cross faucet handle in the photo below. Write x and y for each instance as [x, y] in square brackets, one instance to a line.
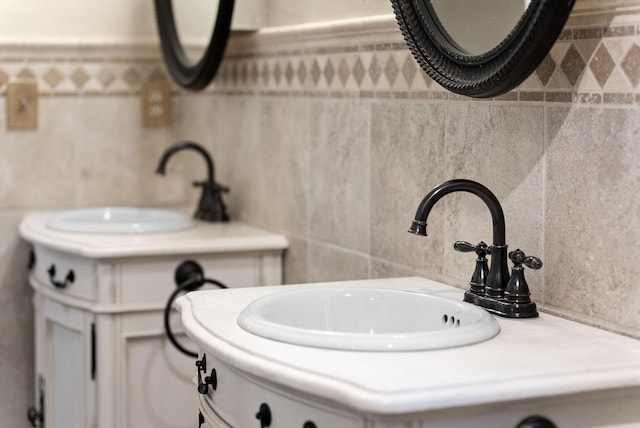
[481, 250]
[518, 257]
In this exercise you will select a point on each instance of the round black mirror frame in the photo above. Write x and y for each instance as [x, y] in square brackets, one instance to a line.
[187, 75]
[489, 74]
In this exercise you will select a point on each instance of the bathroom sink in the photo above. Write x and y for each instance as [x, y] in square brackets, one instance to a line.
[119, 220]
[367, 319]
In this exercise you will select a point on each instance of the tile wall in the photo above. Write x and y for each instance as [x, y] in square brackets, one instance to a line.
[89, 150]
[332, 135]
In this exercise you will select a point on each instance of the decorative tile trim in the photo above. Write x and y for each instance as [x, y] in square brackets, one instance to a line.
[596, 62]
[590, 64]
[62, 70]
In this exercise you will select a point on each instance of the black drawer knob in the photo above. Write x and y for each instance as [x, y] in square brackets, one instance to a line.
[264, 415]
[536, 422]
[309, 424]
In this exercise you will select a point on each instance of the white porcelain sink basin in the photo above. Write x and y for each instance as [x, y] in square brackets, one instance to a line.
[119, 220]
[367, 319]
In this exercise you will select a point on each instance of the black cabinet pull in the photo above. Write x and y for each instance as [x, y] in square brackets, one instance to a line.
[309, 424]
[211, 380]
[536, 422]
[32, 260]
[200, 419]
[264, 415]
[34, 415]
[60, 284]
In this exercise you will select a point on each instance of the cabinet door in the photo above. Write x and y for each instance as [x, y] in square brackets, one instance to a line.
[157, 380]
[65, 361]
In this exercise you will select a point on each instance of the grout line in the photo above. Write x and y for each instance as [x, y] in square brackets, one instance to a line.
[545, 147]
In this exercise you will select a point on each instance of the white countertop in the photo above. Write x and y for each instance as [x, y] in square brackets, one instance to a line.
[203, 237]
[539, 357]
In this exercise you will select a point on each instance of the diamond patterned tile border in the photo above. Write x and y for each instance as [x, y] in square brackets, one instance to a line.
[602, 65]
[572, 65]
[631, 64]
[577, 72]
[546, 69]
[584, 63]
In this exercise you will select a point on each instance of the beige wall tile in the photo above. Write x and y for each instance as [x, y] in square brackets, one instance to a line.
[230, 128]
[339, 180]
[501, 147]
[296, 261]
[16, 324]
[407, 159]
[331, 263]
[115, 158]
[36, 167]
[592, 223]
[385, 269]
[281, 174]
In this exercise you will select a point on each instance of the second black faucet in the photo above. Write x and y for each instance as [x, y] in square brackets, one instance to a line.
[211, 207]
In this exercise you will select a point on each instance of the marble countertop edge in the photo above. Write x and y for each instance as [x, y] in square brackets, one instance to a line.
[233, 237]
[257, 355]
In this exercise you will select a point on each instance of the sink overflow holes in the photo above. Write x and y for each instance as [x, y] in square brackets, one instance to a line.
[451, 320]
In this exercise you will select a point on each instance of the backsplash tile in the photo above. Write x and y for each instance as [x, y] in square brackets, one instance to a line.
[407, 148]
[331, 263]
[593, 214]
[503, 146]
[283, 162]
[339, 203]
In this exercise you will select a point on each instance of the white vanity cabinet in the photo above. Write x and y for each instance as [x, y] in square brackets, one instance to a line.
[571, 374]
[65, 362]
[102, 356]
[239, 397]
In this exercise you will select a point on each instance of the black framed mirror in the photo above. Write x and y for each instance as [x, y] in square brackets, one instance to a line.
[193, 75]
[480, 48]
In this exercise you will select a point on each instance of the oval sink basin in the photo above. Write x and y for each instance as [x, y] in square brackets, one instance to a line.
[367, 319]
[119, 220]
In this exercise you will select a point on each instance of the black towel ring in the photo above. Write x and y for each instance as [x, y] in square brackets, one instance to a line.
[189, 276]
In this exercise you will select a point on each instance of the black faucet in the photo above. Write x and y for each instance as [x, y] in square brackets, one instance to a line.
[211, 207]
[492, 295]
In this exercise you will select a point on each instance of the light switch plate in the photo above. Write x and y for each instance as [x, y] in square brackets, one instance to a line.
[22, 105]
[156, 104]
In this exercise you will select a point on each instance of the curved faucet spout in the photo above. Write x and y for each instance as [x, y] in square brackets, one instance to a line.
[186, 145]
[498, 271]
[419, 226]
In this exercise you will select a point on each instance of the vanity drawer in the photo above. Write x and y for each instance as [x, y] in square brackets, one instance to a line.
[151, 281]
[67, 274]
[237, 400]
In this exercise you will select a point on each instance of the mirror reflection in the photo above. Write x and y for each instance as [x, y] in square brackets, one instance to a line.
[476, 27]
[195, 21]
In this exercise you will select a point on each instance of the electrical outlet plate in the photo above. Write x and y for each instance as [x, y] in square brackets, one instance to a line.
[156, 104]
[22, 104]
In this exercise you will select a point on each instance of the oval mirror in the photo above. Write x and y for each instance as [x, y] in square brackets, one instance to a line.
[480, 48]
[198, 74]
